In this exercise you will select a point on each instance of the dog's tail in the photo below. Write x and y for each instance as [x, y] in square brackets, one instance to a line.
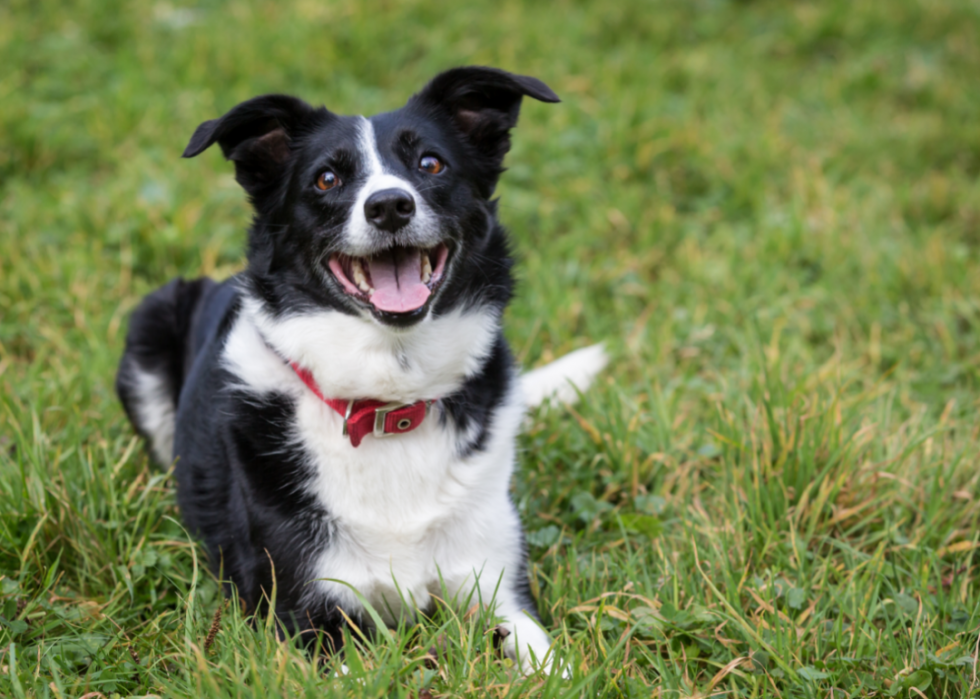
[563, 379]
[154, 363]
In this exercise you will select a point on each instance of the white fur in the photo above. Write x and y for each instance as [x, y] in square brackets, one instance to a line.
[356, 357]
[408, 514]
[360, 234]
[561, 380]
[154, 412]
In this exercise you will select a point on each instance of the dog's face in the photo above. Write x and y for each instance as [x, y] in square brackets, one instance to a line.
[388, 217]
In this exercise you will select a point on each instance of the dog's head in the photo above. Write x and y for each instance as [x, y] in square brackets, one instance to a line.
[386, 217]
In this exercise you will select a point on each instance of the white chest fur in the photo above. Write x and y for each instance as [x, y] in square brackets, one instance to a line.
[407, 514]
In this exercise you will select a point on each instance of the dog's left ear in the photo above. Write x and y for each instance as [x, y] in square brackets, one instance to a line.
[483, 103]
[255, 135]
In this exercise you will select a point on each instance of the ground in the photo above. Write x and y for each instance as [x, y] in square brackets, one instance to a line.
[769, 211]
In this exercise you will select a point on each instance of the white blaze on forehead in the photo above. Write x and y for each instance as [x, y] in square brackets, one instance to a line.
[368, 143]
[361, 235]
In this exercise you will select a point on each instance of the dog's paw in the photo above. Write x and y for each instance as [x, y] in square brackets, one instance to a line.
[534, 656]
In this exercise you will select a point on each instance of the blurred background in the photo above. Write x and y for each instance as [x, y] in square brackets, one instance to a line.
[770, 211]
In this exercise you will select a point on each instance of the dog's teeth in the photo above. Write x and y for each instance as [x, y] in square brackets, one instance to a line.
[426, 268]
[359, 278]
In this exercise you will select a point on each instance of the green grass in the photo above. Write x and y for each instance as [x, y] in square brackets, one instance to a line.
[769, 211]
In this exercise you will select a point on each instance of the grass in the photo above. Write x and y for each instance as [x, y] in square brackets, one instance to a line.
[769, 211]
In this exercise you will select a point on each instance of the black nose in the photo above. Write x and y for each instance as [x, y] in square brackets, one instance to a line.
[389, 209]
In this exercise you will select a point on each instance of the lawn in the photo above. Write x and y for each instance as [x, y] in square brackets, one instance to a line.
[769, 211]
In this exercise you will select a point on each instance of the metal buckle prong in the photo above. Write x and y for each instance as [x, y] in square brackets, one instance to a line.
[350, 409]
[379, 418]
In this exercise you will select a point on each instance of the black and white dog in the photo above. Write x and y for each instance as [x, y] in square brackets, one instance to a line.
[343, 414]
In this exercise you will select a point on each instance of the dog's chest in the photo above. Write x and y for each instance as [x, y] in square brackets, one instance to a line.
[405, 508]
[395, 484]
[405, 511]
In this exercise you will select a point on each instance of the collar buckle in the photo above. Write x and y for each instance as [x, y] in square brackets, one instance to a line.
[381, 413]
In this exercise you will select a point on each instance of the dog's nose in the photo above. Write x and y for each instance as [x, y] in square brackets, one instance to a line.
[389, 209]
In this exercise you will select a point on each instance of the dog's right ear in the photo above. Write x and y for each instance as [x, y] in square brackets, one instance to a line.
[483, 103]
[255, 135]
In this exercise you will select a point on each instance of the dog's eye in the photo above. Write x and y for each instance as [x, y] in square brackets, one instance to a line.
[327, 180]
[431, 164]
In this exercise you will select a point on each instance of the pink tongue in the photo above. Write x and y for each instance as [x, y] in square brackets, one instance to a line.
[396, 278]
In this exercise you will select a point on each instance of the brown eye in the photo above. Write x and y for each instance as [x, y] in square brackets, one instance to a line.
[431, 164]
[327, 180]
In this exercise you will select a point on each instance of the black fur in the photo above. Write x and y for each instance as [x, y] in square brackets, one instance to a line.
[239, 472]
[157, 338]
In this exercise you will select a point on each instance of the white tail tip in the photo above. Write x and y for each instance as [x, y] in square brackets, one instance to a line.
[559, 380]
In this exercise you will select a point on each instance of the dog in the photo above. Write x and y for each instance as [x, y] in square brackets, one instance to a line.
[343, 414]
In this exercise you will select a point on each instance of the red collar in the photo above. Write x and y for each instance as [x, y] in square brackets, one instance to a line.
[364, 417]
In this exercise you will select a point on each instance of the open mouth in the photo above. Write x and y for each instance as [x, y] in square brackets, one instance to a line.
[397, 280]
